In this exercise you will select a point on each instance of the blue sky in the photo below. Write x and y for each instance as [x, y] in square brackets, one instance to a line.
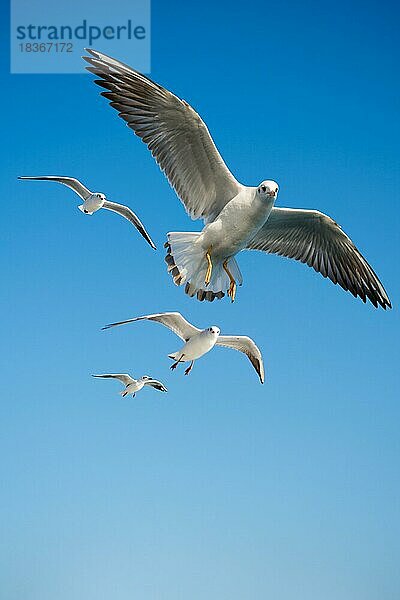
[223, 488]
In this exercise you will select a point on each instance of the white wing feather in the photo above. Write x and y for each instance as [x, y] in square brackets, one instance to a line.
[71, 182]
[124, 377]
[173, 320]
[314, 238]
[244, 344]
[127, 213]
[156, 384]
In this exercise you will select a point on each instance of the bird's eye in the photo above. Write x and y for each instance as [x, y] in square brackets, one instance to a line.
[263, 188]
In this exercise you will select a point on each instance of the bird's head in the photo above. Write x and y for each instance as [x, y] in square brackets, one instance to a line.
[268, 190]
[214, 330]
[146, 378]
[100, 196]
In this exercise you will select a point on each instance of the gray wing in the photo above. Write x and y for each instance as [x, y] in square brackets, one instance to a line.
[126, 212]
[244, 344]
[174, 133]
[315, 239]
[156, 384]
[172, 320]
[124, 377]
[71, 182]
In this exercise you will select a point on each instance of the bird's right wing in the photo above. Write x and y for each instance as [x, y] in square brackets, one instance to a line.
[156, 384]
[244, 344]
[315, 239]
[71, 182]
[172, 320]
[175, 134]
[127, 213]
[124, 377]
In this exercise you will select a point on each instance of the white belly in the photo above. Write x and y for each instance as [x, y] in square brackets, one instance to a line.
[197, 346]
[93, 203]
[134, 387]
[236, 224]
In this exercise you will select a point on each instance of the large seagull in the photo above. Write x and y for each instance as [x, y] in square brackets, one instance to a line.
[236, 217]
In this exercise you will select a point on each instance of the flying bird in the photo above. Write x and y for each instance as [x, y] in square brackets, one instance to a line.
[93, 201]
[132, 386]
[236, 217]
[200, 341]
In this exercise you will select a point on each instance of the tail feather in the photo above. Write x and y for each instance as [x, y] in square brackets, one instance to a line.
[187, 264]
[81, 208]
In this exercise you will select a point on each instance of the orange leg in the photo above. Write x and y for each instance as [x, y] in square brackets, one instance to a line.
[209, 267]
[232, 286]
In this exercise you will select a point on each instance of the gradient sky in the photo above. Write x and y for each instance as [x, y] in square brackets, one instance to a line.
[223, 489]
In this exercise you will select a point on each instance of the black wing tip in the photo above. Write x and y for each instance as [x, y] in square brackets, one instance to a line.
[109, 325]
[92, 52]
[378, 301]
[149, 241]
[374, 300]
[385, 303]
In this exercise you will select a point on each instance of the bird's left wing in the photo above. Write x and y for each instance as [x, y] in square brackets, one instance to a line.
[124, 377]
[244, 344]
[126, 212]
[71, 182]
[314, 238]
[172, 320]
[175, 134]
[156, 384]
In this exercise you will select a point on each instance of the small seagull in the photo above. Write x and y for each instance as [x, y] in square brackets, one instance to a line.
[93, 201]
[134, 385]
[237, 217]
[200, 341]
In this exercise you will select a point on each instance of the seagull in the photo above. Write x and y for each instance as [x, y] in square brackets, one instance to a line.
[93, 201]
[236, 217]
[134, 385]
[200, 341]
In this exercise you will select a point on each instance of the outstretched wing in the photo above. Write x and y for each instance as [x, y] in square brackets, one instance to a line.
[172, 320]
[174, 133]
[156, 384]
[126, 212]
[314, 238]
[71, 182]
[124, 377]
[244, 344]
